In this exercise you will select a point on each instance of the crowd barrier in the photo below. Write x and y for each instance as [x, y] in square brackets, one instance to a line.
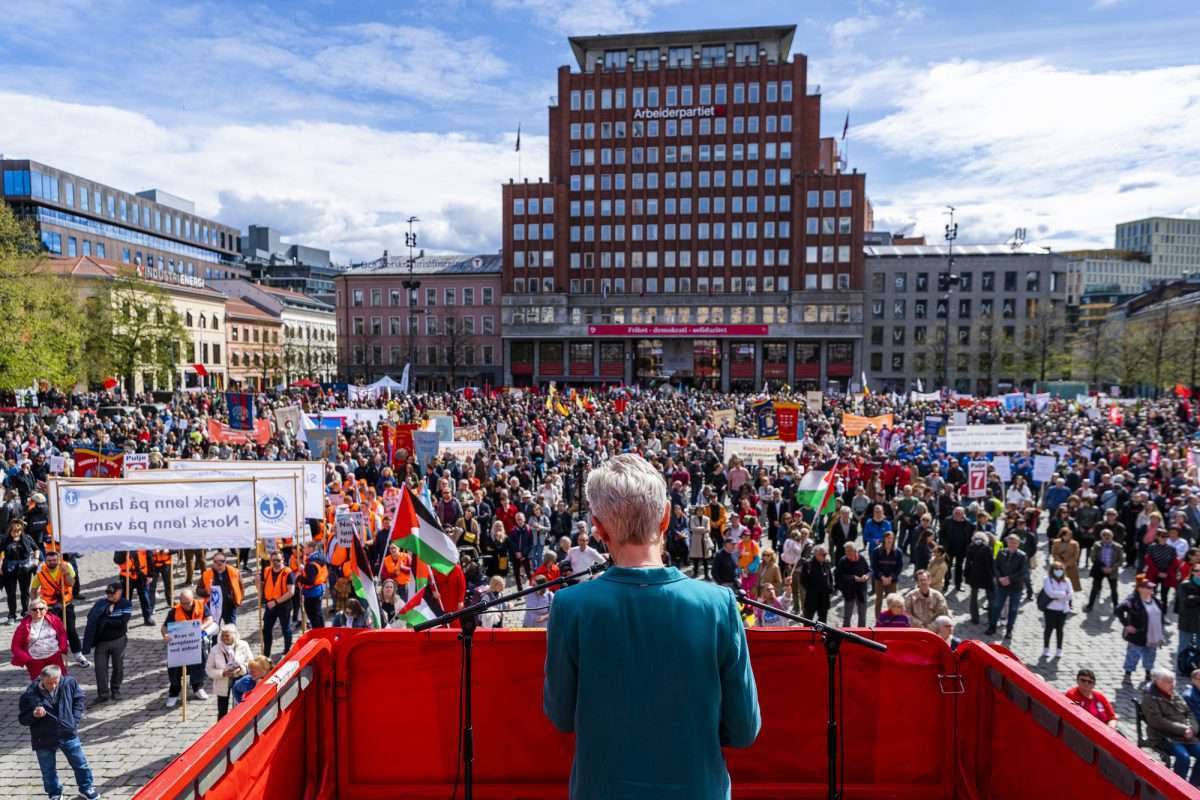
[370, 714]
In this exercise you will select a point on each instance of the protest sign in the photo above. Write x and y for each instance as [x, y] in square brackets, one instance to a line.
[136, 462]
[959, 418]
[855, 425]
[987, 438]
[469, 433]
[924, 397]
[322, 444]
[58, 465]
[221, 433]
[289, 418]
[91, 464]
[1043, 468]
[977, 479]
[722, 416]
[459, 450]
[391, 501]
[241, 410]
[1003, 467]
[137, 514]
[501, 428]
[935, 426]
[764, 417]
[348, 524]
[815, 400]
[309, 474]
[185, 643]
[341, 417]
[425, 447]
[787, 421]
[444, 425]
[751, 451]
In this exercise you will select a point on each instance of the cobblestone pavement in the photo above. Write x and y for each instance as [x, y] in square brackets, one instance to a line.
[128, 742]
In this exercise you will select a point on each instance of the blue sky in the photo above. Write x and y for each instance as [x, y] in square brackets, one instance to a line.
[335, 121]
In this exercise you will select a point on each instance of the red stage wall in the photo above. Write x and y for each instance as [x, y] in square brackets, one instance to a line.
[374, 714]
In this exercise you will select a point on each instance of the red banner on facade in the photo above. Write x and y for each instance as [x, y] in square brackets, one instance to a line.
[679, 330]
[223, 434]
[91, 464]
[787, 420]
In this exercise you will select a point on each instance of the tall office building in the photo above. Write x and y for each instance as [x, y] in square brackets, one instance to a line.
[693, 225]
[274, 262]
[1172, 244]
[157, 233]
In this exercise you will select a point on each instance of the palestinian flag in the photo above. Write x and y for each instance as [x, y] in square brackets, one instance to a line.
[418, 531]
[816, 489]
[416, 611]
[363, 583]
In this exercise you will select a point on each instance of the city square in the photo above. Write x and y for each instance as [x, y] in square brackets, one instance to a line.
[726, 328]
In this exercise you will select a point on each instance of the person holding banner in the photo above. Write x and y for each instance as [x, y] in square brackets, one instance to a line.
[223, 582]
[55, 584]
[134, 568]
[276, 586]
[187, 608]
[311, 580]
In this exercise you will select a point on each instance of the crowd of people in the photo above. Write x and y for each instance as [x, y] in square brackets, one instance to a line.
[901, 533]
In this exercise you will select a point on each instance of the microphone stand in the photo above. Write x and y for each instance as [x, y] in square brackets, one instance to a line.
[832, 638]
[468, 617]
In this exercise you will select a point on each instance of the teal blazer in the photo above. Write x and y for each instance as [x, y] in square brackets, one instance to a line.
[651, 672]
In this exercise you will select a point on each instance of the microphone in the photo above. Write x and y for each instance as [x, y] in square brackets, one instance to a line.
[596, 569]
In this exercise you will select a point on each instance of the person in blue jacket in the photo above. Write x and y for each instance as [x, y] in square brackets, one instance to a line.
[640, 624]
[52, 708]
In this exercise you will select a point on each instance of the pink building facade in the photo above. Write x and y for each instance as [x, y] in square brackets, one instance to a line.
[447, 326]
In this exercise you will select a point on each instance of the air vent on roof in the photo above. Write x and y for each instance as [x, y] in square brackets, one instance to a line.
[477, 262]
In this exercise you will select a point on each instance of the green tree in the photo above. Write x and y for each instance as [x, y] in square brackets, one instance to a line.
[44, 325]
[133, 327]
[1043, 354]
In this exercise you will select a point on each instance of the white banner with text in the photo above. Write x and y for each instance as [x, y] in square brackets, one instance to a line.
[93, 515]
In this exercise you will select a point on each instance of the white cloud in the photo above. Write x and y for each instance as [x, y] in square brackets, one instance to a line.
[587, 17]
[844, 31]
[1065, 153]
[343, 187]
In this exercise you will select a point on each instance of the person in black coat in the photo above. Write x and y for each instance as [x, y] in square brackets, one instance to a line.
[979, 572]
[520, 550]
[844, 529]
[724, 567]
[1144, 618]
[106, 633]
[20, 559]
[852, 577]
[816, 578]
[52, 708]
[955, 536]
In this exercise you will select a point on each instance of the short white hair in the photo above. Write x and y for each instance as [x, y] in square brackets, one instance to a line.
[1159, 674]
[629, 497]
[228, 628]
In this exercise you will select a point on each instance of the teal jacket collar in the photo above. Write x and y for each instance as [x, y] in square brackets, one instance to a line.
[647, 575]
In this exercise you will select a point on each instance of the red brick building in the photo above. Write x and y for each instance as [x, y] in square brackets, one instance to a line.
[693, 226]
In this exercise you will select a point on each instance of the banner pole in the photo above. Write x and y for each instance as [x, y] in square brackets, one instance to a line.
[185, 686]
[258, 567]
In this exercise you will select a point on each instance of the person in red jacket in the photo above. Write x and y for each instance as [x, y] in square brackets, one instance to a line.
[1084, 695]
[40, 639]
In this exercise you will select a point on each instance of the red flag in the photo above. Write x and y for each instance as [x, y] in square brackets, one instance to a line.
[619, 404]
[200, 370]
[1115, 416]
[468, 393]
[1182, 391]
[1154, 456]
[110, 384]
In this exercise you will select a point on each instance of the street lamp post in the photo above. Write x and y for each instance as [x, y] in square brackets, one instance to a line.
[412, 285]
[947, 280]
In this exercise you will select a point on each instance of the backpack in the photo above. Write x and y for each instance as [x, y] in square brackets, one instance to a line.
[1189, 657]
